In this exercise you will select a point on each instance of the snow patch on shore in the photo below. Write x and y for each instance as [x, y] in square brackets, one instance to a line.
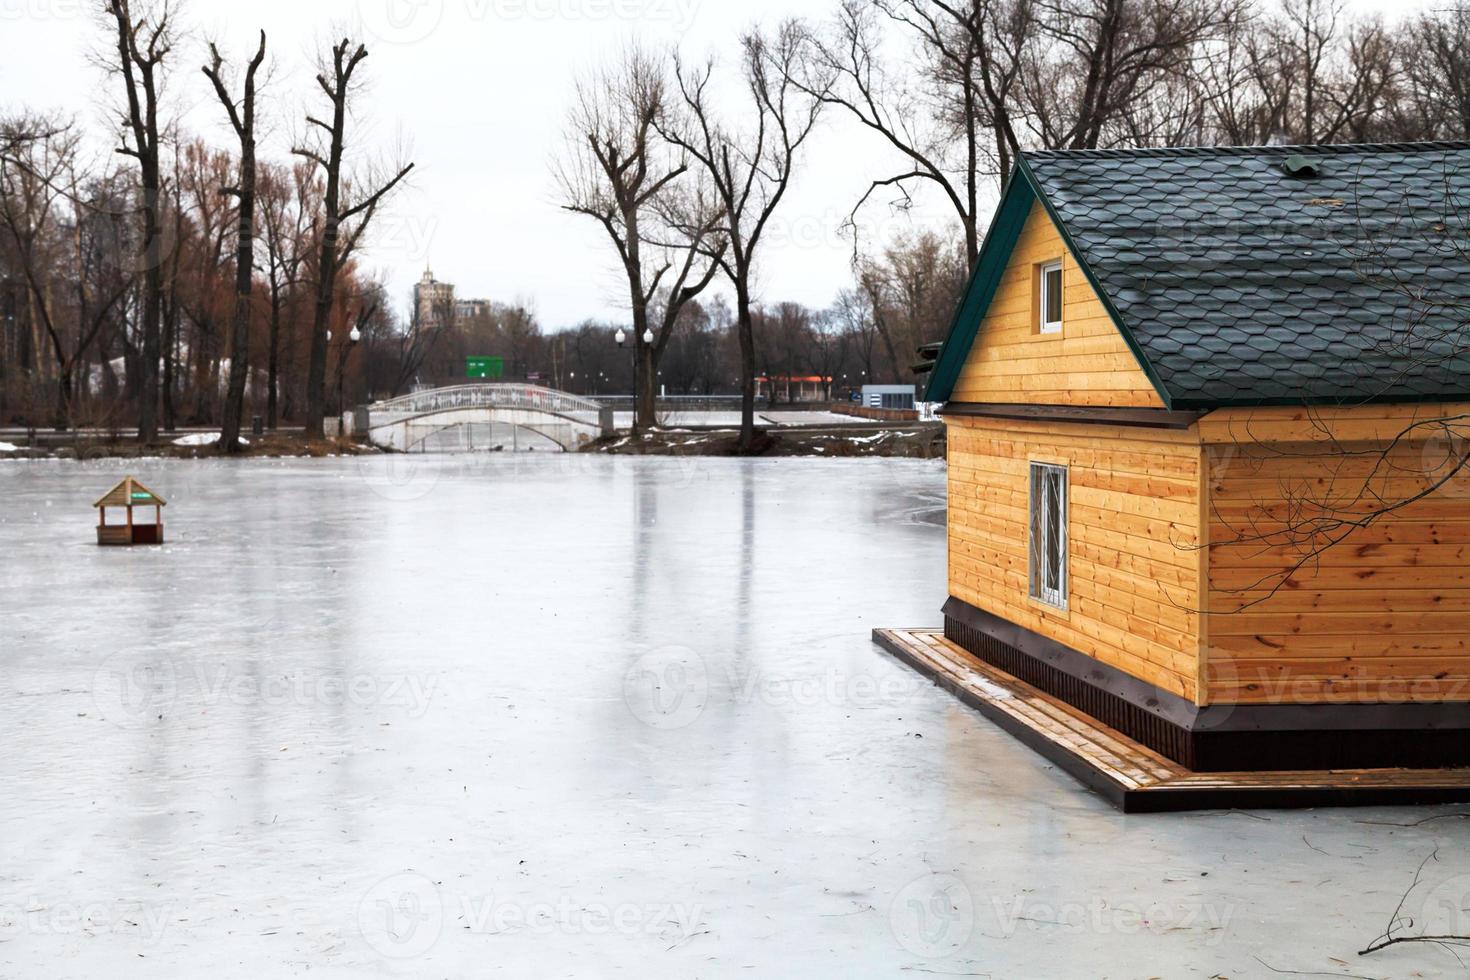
[203, 439]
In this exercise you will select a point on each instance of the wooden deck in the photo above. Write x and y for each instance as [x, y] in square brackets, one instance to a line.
[1135, 778]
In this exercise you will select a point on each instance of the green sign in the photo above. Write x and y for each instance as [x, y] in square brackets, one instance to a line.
[484, 367]
[141, 496]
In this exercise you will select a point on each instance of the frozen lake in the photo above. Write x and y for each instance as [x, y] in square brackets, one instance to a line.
[535, 715]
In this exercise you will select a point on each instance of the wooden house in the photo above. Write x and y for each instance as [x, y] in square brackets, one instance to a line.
[125, 496]
[1206, 412]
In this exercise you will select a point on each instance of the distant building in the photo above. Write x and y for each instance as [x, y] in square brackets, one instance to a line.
[792, 388]
[432, 300]
[469, 309]
[888, 396]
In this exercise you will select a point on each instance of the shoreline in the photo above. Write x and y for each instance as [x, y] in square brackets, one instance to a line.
[262, 447]
[918, 440]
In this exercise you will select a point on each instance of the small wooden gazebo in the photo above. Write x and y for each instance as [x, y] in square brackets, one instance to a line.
[129, 494]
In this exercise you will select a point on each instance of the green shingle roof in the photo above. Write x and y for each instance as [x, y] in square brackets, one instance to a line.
[1237, 282]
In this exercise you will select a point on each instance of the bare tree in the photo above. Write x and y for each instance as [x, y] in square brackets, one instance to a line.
[954, 119]
[289, 197]
[1436, 95]
[200, 299]
[622, 173]
[326, 148]
[242, 121]
[1096, 58]
[38, 178]
[416, 342]
[749, 171]
[145, 38]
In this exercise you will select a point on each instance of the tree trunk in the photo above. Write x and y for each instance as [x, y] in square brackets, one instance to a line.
[240, 330]
[148, 394]
[273, 360]
[316, 370]
[63, 397]
[169, 387]
[746, 334]
[646, 410]
[243, 122]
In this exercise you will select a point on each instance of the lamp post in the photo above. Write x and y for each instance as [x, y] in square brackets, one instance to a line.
[353, 337]
[639, 343]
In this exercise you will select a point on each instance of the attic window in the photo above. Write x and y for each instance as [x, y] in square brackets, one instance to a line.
[1049, 297]
[1297, 165]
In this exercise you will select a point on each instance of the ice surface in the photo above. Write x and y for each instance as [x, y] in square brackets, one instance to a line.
[565, 716]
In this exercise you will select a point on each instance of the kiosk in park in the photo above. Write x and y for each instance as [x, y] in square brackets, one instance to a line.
[125, 496]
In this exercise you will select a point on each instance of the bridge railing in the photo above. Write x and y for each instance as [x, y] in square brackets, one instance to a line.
[524, 396]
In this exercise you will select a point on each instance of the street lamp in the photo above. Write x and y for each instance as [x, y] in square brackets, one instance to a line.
[352, 338]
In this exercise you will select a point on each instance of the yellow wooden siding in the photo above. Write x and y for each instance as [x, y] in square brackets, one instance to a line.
[1133, 531]
[1327, 426]
[1088, 363]
[1384, 614]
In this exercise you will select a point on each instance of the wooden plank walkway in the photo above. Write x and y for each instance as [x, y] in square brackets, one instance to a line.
[1134, 777]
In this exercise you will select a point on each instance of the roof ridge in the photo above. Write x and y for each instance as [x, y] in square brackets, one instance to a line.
[1252, 150]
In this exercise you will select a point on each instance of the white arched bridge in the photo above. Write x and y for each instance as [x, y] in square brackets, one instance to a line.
[570, 421]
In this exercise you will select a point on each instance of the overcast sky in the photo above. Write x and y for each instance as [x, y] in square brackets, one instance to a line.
[478, 90]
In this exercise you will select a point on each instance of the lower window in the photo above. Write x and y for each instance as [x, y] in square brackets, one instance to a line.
[1049, 534]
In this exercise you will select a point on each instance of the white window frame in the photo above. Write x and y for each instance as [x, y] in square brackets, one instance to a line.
[1044, 295]
[1049, 488]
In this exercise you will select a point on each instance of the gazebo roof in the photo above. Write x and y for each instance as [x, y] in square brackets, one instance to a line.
[130, 493]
